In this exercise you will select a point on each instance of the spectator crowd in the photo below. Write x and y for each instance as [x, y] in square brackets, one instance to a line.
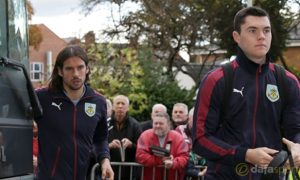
[132, 141]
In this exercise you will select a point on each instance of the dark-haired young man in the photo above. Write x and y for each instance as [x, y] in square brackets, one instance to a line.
[249, 134]
[74, 120]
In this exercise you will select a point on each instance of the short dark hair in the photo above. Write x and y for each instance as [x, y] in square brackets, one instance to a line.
[56, 83]
[240, 16]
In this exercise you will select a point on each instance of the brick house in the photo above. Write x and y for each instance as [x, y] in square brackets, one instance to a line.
[42, 59]
[292, 52]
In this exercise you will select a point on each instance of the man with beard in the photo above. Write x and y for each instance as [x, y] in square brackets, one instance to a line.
[74, 120]
[124, 132]
[161, 136]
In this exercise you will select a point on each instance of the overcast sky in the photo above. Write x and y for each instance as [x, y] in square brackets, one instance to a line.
[66, 19]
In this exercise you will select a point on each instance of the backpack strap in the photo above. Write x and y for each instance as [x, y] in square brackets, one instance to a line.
[280, 76]
[282, 85]
[228, 78]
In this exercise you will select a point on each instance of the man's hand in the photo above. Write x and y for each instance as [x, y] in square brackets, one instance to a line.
[35, 161]
[294, 148]
[126, 143]
[202, 172]
[260, 156]
[168, 161]
[107, 172]
[115, 144]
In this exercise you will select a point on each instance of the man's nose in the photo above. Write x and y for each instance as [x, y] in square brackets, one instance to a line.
[120, 106]
[261, 34]
[76, 72]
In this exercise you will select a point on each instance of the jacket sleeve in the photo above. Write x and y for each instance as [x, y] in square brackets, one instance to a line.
[143, 152]
[191, 170]
[137, 132]
[41, 100]
[206, 122]
[181, 153]
[101, 137]
[291, 113]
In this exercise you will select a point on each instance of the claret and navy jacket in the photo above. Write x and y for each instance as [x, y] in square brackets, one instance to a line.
[253, 118]
[67, 133]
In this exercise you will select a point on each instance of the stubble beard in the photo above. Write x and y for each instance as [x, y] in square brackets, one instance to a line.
[159, 133]
[74, 87]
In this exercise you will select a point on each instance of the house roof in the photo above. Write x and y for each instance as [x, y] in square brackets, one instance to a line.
[51, 42]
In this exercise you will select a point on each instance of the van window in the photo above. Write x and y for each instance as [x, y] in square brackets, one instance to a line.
[17, 23]
[3, 32]
[14, 100]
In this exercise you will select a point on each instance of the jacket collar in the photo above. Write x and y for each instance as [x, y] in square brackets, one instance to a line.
[88, 92]
[125, 121]
[249, 65]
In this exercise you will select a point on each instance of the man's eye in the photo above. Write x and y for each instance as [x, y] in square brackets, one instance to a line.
[80, 67]
[252, 30]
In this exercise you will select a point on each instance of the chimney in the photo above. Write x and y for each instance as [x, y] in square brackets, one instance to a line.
[49, 64]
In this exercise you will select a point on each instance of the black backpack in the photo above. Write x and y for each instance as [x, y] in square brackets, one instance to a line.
[281, 79]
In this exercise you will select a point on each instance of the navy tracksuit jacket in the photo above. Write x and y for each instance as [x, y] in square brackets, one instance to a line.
[253, 118]
[67, 133]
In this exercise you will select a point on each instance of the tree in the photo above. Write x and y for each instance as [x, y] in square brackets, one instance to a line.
[166, 26]
[169, 26]
[116, 71]
[30, 10]
[35, 35]
[122, 70]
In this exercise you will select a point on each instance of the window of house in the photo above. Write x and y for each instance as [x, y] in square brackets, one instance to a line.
[36, 71]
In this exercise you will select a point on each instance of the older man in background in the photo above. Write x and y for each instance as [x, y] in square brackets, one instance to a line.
[171, 142]
[156, 108]
[180, 114]
[123, 134]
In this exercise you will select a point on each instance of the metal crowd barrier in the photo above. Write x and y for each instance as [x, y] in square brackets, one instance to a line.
[132, 165]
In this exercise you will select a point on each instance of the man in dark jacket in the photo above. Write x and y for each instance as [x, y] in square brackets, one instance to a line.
[74, 120]
[244, 144]
[124, 132]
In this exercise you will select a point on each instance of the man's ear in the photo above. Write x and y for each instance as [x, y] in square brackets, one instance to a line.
[87, 70]
[236, 36]
[59, 72]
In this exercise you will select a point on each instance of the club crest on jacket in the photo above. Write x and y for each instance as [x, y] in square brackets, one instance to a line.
[90, 109]
[272, 92]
